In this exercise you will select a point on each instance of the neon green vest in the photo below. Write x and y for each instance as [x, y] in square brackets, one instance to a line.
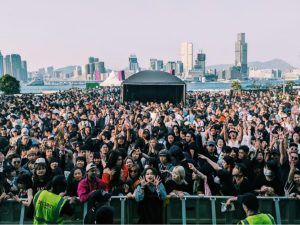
[47, 207]
[260, 218]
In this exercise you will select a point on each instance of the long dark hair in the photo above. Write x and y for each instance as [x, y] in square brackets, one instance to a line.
[112, 159]
[71, 175]
[111, 164]
[26, 180]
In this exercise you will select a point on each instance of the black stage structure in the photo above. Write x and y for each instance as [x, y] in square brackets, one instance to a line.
[157, 86]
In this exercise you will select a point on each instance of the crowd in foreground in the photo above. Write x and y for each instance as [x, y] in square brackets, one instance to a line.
[216, 144]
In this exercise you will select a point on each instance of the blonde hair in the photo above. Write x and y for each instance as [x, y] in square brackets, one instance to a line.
[180, 171]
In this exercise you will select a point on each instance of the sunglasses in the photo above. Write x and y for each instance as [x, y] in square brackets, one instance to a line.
[296, 158]
[15, 162]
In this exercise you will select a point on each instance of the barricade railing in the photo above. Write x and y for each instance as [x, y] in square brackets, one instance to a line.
[188, 210]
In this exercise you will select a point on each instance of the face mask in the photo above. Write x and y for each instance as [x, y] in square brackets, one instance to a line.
[217, 180]
[268, 173]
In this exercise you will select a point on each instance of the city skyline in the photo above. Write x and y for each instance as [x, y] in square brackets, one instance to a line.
[66, 33]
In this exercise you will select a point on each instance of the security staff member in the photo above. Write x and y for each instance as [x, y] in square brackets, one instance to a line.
[250, 205]
[49, 206]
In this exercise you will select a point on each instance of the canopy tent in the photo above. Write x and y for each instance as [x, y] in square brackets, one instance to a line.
[112, 80]
[153, 86]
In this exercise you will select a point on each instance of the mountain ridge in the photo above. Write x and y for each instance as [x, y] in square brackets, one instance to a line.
[270, 64]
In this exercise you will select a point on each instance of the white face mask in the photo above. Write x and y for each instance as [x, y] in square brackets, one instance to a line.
[217, 180]
[267, 172]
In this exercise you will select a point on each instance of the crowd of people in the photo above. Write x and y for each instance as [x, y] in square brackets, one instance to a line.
[215, 144]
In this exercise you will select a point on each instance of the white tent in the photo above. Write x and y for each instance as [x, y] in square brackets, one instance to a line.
[112, 80]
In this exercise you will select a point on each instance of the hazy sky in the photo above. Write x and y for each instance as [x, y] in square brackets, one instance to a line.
[67, 32]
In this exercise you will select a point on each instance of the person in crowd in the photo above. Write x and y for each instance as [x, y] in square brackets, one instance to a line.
[250, 205]
[41, 176]
[75, 176]
[150, 194]
[269, 183]
[177, 186]
[132, 180]
[25, 190]
[115, 173]
[50, 205]
[90, 183]
[165, 166]
[97, 201]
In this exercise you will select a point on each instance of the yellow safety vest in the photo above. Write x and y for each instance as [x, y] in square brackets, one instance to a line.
[261, 218]
[47, 207]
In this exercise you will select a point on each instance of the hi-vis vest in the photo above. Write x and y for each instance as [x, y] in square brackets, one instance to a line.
[47, 207]
[261, 218]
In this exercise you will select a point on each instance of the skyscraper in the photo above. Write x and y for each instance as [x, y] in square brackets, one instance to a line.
[133, 63]
[200, 63]
[179, 68]
[7, 65]
[16, 66]
[187, 56]
[1, 65]
[241, 51]
[99, 66]
[24, 74]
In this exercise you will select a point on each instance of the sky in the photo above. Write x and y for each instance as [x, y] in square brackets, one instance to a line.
[66, 32]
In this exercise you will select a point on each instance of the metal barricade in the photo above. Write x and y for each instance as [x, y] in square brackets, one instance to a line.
[188, 210]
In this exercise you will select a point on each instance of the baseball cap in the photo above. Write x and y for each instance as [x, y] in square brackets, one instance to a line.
[211, 143]
[164, 152]
[90, 166]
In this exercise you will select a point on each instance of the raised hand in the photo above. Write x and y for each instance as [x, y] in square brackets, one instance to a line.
[191, 166]
[143, 182]
[156, 181]
[200, 156]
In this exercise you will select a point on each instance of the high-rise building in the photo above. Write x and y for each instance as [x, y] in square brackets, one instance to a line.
[170, 66]
[1, 65]
[187, 56]
[91, 60]
[156, 64]
[92, 70]
[200, 64]
[24, 74]
[16, 65]
[179, 68]
[7, 65]
[241, 51]
[99, 66]
[133, 63]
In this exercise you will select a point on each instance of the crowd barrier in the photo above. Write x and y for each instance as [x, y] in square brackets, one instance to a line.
[189, 210]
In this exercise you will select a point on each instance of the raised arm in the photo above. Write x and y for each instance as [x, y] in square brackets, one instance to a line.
[214, 165]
